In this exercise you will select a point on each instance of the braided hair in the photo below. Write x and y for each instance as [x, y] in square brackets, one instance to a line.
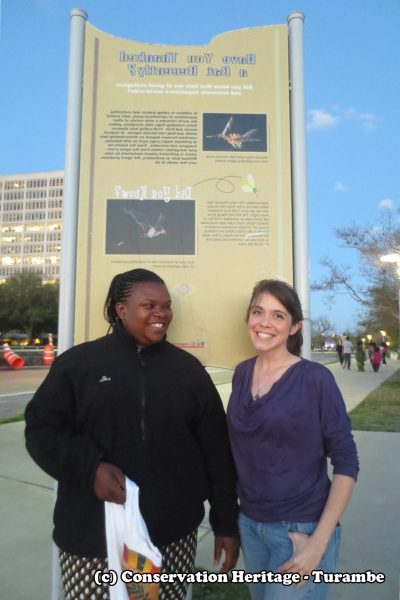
[121, 287]
[287, 296]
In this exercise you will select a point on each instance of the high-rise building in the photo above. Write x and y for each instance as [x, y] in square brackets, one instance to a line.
[30, 224]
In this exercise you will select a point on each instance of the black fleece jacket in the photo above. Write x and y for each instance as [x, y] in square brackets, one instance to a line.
[156, 415]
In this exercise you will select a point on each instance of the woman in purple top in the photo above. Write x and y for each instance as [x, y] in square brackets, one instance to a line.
[286, 415]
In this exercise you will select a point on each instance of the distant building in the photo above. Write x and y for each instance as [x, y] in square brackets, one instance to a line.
[30, 224]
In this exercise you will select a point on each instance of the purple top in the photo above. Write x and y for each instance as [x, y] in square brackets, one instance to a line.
[280, 442]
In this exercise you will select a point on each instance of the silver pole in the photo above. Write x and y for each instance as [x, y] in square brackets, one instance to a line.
[299, 172]
[71, 181]
[70, 214]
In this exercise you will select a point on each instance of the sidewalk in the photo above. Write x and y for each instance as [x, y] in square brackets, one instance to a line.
[371, 529]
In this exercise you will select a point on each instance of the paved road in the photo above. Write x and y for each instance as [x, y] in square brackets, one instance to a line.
[17, 388]
[324, 358]
[22, 380]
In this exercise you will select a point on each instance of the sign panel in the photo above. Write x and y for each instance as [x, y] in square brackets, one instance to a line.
[185, 170]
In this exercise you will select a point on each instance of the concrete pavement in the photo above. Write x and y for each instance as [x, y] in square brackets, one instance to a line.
[371, 529]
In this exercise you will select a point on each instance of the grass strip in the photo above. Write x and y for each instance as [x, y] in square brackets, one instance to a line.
[15, 419]
[220, 591]
[380, 411]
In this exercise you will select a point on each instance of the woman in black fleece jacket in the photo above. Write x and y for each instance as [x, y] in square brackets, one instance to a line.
[132, 404]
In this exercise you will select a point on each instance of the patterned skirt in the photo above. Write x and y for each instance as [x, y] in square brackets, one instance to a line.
[78, 573]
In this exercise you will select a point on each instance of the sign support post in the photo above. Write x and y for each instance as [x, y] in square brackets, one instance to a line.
[66, 313]
[299, 173]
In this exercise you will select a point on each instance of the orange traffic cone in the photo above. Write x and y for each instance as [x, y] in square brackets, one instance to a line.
[15, 361]
[48, 352]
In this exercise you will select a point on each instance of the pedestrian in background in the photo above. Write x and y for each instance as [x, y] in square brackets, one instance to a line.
[339, 350]
[347, 350]
[376, 357]
[370, 350]
[384, 350]
[361, 355]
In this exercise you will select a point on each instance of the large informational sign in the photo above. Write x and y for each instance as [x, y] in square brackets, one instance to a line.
[185, 170]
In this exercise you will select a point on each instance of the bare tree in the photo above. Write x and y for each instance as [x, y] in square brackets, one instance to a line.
[376, 290]
[322, 326]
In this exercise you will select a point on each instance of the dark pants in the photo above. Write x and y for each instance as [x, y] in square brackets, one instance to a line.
[347, 361]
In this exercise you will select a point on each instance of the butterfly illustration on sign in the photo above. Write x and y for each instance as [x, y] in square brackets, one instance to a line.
[249, 184]
[236, 139]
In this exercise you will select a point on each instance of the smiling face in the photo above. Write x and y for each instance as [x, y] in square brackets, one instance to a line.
[270, 324]
[146, 312]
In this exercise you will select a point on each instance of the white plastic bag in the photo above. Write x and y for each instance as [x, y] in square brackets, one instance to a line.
[129, 547]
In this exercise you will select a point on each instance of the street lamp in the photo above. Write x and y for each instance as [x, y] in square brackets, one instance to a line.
[394, 258]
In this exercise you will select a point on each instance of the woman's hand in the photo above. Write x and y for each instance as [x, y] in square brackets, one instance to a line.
[307, 555]
[109, 484]
[230, 545]
[309, 549]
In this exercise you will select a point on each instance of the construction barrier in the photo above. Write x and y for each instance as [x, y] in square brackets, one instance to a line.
[15, 361]
[48, 352]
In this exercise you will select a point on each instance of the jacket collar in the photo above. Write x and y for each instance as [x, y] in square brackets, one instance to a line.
[121, 336]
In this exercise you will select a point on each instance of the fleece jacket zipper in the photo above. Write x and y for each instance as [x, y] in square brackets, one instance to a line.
[142, 397]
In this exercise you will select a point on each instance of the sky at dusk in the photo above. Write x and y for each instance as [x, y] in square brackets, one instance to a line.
[352, 96]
